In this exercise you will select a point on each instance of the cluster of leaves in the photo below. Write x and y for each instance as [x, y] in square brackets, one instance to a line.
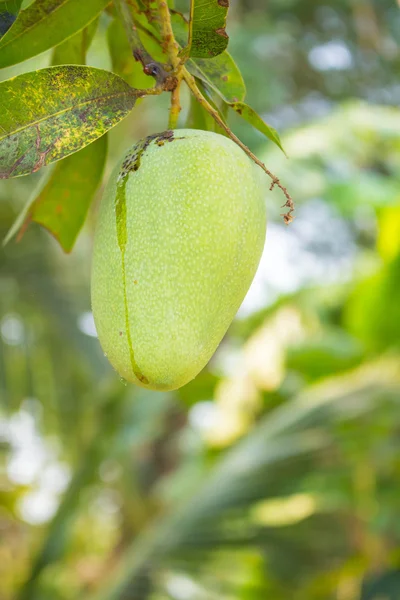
[64, 111]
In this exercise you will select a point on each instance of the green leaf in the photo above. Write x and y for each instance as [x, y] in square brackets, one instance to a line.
[123, 62]
[44, 24]
[207, 35]
[8, 12]
[180, 27]
[221, 74]
[54, 112]
[321, 356]
[73, 50]
[250, 115]
[209, 123]
[63, 204]
[200, 389]
[199, 118]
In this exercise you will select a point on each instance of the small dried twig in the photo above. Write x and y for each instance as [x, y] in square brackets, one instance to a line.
[190, 81]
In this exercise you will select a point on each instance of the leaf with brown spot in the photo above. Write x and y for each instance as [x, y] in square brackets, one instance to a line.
[180, 27]
[207, 34]
[220, 73]
[250, 115]
[44, 24]
[49, 114]
[62, 204]
[66, 191]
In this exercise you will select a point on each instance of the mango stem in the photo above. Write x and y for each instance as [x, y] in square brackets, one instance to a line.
[171, 48]
[175, 106]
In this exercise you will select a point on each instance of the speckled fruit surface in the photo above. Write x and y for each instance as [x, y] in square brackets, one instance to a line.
[179, 236]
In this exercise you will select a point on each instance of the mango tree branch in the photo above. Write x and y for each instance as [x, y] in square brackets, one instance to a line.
[171, 48]
[175, 105]
[190, 81]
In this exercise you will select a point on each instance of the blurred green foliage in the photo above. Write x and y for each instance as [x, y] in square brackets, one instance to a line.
[276, 472]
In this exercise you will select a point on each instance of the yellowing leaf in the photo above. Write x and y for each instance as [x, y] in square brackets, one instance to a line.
[54, 112]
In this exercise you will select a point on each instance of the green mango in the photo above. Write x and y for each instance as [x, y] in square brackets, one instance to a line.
[180, 233]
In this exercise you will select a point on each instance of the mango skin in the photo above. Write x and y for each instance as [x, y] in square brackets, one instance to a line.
[176, 247]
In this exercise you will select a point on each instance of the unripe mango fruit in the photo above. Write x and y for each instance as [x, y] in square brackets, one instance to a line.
[180, 233]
